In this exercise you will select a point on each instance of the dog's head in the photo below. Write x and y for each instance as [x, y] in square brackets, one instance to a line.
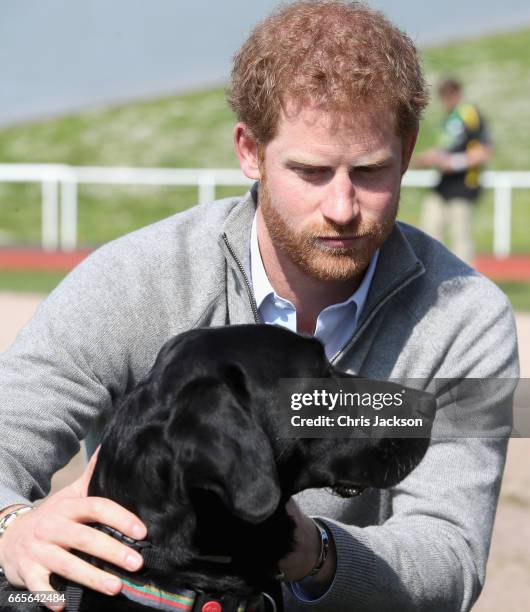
[198, 452]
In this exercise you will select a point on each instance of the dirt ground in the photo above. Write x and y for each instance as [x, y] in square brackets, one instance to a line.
[507, 587]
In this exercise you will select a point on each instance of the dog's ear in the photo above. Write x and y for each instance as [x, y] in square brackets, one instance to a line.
[222, 448]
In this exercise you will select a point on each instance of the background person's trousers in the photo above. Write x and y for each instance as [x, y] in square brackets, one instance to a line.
[457, 214]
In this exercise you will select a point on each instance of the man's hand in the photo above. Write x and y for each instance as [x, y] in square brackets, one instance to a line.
[304, 557]
[37, 543]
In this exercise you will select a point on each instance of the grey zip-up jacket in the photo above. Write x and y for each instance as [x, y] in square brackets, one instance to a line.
[422, 545]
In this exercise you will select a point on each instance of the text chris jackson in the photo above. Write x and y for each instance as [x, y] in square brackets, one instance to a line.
[348, 421]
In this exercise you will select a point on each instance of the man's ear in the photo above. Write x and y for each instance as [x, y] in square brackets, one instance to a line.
[408, 144]
[224, 451]
[246, 147]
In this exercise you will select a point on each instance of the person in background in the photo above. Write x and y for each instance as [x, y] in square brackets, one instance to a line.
[464, 146]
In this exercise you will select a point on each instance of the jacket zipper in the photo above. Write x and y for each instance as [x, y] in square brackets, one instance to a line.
[253, 305]
[419, 271]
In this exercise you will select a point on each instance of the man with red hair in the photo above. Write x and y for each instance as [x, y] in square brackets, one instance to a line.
[328, 96]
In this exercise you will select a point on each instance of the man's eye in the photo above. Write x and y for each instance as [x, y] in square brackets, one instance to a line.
[311, 173]
[369, 169]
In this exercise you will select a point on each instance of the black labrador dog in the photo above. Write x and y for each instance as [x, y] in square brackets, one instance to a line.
[199, 452]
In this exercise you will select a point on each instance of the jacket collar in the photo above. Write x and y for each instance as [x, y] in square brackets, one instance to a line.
[397, 266]
[234, 240]
[237, 228]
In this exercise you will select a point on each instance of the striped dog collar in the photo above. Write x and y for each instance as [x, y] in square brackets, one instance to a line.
[183, 600]
[148, 595]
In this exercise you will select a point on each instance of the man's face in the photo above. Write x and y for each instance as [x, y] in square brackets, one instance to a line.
[329, 195]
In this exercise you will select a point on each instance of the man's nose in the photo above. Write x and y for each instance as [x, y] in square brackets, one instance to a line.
[340, 204]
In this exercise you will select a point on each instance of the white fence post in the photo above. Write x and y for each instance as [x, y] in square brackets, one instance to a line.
[68, 215]
[206, 188]
[50, 215]
[502, 220]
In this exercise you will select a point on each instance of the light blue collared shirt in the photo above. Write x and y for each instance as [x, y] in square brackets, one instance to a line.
[335, 324]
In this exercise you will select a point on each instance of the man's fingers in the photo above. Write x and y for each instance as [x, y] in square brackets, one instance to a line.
[38, 543]
[70, 535]
[71, 567]
[97, 510]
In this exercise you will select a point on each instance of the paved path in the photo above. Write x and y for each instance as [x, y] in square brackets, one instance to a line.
[507, 586]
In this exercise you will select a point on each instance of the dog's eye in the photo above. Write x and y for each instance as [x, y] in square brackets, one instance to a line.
[348, 490]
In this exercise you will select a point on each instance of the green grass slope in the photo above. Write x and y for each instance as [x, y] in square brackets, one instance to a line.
[194, 130]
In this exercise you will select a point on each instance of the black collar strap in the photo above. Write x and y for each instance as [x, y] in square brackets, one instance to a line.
[147, 594]
[153, 557]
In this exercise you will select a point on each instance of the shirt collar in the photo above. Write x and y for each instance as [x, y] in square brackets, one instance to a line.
[262, 287]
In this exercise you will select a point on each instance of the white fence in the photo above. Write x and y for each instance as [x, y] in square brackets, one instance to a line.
[59, 192]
